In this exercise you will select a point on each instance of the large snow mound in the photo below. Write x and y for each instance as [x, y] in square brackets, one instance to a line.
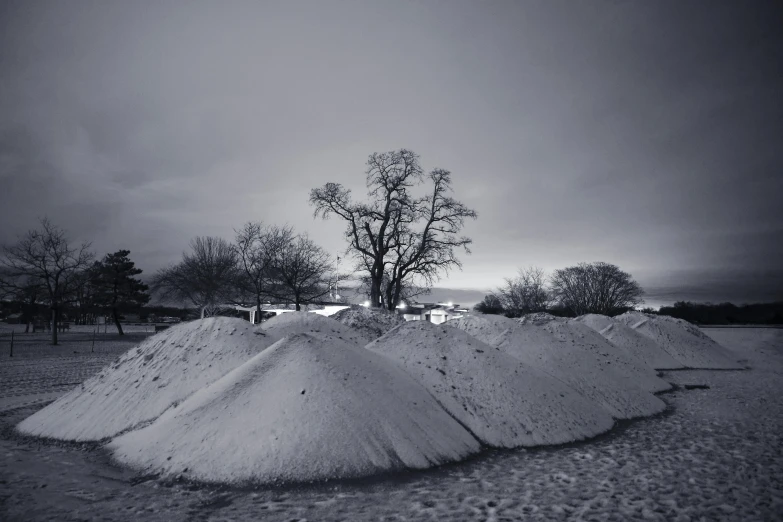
[623, 336]
[502, 401]
[577, 333]
[371, 322]
[145, 381]
[682, 340]
[302, 410]
[326, 328]
[587, 371]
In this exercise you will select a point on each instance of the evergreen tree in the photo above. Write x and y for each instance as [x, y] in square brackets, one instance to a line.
[116, 287]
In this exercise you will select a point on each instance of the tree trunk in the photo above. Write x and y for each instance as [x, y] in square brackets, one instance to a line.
[375, 289]
[116, 316]
[54, 326]
[258, 308]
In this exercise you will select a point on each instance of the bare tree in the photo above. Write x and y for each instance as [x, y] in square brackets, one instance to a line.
[304, 272]
[85, 294]
[206, 276]
[258, 247]
[408, 241]
[525, 293]
[595, 288]
[44, 259]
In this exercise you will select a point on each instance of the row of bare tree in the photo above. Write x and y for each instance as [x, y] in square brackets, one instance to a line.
[401, 240]
[264, 263]
[587, 288]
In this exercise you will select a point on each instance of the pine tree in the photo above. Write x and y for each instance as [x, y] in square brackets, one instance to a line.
[117, 288]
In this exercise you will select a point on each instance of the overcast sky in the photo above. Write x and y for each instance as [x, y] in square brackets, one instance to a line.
[642, 133]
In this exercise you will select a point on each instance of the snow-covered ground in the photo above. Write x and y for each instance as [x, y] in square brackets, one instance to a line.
[714, 455]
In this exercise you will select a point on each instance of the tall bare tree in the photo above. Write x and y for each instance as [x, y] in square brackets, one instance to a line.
[304, 272]
[397, 237]
[526, 293]
[258, 247]
[206, 276]
[595, 288]
[45, 258]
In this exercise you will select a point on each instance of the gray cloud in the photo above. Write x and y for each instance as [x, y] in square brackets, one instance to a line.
[644, 134]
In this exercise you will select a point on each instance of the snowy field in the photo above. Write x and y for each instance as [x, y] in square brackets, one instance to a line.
[714, 454]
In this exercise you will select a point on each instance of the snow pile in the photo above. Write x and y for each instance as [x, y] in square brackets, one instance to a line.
[145, 381]
[489, 328]
[538, 318]
[371, 322]
[629, 362]
[501, 400]
[626, 337]
[594, 371]
[302, 410]
[682, 340]
[320, 326]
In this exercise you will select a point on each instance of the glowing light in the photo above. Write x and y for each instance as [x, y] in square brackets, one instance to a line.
[366, 303]
[450, 303]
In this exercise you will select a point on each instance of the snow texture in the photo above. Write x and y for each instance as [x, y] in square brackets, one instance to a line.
[317, 325]
[623, 336]
[682, 340]
[371, 322]
[579, 334]
[590, 372]
[501, 400]
[715, 455]
[147, 380]
[302, 410]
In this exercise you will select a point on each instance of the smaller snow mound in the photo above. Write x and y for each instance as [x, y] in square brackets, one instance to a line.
[302, 410]
[145, 381]
[370, 322]
[292, 323]
[588, 372]
[628, 362]
[682, 340]
[538, 318]
[487, 328]
[501, 400]
[623, 336]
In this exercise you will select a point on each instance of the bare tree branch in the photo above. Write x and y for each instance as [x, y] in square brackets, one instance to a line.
[207, 276]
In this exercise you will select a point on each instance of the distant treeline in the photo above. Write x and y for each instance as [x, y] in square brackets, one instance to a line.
[725, 313]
